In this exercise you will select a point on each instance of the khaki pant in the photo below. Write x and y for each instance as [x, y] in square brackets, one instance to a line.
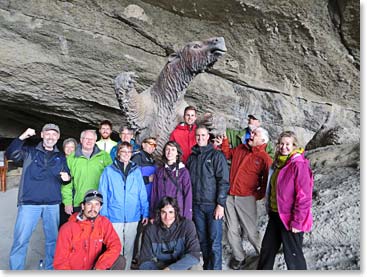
[127, 234]
[240, 213]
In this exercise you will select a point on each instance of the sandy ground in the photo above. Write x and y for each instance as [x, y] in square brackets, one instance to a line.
[8, 213]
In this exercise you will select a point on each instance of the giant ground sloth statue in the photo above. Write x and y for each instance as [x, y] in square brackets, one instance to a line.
[154, 112]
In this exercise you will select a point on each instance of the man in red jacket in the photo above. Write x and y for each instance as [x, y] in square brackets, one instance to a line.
[248, 176]
[184, 133]
[80, 240]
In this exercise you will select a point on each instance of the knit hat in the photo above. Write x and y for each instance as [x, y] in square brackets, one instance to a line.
[93, 194]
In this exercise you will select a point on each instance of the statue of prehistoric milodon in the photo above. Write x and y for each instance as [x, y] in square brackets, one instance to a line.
[154, 112]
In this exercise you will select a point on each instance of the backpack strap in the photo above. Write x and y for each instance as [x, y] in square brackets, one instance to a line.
[173, 180]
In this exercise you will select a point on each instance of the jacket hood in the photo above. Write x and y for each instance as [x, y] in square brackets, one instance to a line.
[259, 148]
[180, 165]
[75, 217]
[116, 165]
[41, 148]
[297, 155]
[184, 126]
[79, 153]
[201, 149]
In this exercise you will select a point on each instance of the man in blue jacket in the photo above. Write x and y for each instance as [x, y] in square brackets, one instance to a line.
[209, 174]
[39, 195]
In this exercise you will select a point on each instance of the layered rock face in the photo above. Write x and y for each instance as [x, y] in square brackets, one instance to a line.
[297, 63]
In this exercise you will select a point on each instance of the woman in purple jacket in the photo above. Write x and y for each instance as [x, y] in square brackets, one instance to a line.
[172, 179]
[289, 202]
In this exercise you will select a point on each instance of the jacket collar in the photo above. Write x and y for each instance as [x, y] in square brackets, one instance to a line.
[180, 165]
[184, 126]
[255, 149]
[202, 149]
[42, 149]
[79, 153]
[131, 163]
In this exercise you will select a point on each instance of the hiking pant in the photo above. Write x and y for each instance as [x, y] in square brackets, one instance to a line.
[127, 234]
[275, 235]
[241, 212]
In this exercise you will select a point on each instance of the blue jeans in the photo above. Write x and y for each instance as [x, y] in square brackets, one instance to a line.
[210, 235]
[27, 219]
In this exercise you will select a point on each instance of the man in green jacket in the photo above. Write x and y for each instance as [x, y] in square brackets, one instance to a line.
[236, 137]
[86, 165]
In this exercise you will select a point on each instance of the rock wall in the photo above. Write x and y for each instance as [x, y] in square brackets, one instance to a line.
[297, 63]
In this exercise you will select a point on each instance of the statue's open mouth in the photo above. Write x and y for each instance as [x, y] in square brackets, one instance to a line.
[219, 52]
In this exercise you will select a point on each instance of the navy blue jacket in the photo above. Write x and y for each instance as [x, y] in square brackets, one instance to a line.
[40, 183]
[147, 167]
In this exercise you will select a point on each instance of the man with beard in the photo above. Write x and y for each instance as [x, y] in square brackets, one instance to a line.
[184, 133]
[39, 195]
[88, 240]
[105, 130]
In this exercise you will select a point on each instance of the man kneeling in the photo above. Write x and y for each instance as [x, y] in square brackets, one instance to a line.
[88, 240]
[171, 243]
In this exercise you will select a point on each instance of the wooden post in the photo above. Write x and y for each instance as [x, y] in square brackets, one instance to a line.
[3, 170]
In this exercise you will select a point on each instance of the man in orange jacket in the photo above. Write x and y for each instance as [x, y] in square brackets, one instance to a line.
[80, 240]
[248, 176]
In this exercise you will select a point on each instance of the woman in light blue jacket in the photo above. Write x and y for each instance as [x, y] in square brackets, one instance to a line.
[125, 198]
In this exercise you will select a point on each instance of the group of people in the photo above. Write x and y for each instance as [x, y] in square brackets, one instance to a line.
[118, 201]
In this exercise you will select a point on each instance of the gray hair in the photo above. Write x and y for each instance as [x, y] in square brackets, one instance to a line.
[66, 141]
[264, 133]
[88, 131]
[126, 127]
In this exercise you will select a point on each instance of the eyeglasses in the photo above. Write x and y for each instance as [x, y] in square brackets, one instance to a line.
[125, 152]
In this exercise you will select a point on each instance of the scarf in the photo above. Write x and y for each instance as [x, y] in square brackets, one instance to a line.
[278, 165]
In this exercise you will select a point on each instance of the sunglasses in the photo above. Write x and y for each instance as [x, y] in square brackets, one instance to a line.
[152, 144]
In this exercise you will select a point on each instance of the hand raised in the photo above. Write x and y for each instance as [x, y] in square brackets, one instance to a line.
[27, 134]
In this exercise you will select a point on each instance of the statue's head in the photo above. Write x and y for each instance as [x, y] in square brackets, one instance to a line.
[125, 80]
[197, 56]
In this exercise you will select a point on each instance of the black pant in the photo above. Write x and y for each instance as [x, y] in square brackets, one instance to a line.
[275, 235]
[64, 216]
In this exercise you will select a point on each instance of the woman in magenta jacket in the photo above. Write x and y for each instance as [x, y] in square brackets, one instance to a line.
[288, 202]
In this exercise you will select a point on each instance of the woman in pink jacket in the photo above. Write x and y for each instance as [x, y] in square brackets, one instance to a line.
[289, 202]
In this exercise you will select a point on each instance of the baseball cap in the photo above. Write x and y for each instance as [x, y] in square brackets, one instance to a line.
[51, 126]
[255, 116]
[93, 194]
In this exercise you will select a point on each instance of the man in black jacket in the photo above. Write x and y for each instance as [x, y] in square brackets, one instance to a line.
[171, 242]
[210, 183]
